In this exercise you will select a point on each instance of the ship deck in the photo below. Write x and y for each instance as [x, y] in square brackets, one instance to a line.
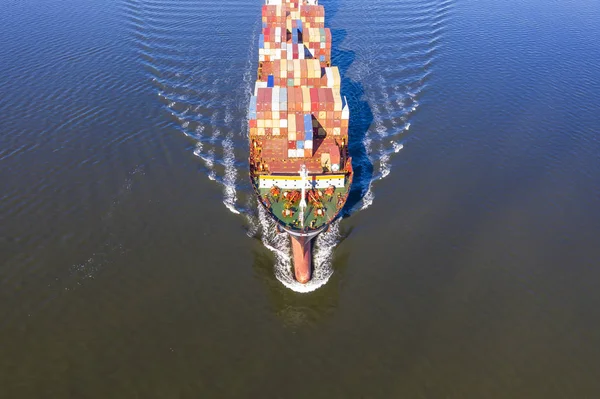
[331, 207]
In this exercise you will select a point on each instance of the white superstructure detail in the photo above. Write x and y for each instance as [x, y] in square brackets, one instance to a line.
[296, 183]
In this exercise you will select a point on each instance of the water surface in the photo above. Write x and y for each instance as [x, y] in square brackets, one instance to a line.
[134, 261]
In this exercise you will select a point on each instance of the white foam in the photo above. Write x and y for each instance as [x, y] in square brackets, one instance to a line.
[198, 149]
[228, 117]
[397, 146]
[231, 208]
[279, 244]
[323, 251]
[384, 165]
[230, 177]
[209, 159]
[368, 199]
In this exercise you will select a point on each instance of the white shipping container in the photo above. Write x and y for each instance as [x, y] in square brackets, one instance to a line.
[329, 74]
[336, 76]
[337, 101]
[308, 144]
[283, 123]
[300, 153]
[291, 153]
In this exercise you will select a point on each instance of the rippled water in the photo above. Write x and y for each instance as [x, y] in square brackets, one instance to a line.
[134, 260]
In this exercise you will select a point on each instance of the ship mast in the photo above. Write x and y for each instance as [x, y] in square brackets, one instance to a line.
[304, 175]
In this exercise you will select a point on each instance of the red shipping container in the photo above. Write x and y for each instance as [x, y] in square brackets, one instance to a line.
[322, 99]
[330, 102]
[259, 101]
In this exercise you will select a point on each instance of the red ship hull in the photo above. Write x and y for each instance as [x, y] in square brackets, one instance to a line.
[302, 255]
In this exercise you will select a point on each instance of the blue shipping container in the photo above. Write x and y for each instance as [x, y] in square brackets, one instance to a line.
[307, 121]
[270, 81]
[308, 135]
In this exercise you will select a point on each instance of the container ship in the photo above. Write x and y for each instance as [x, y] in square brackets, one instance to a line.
[300, 168]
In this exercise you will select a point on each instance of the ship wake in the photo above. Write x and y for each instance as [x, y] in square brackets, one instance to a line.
[389, 73]
[196, 85]
[279, 244]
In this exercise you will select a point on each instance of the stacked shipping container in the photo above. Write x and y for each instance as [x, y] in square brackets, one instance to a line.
[299, 72]
[297, 99]
[301, 36]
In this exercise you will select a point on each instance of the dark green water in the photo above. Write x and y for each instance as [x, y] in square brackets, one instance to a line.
[134, 262]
